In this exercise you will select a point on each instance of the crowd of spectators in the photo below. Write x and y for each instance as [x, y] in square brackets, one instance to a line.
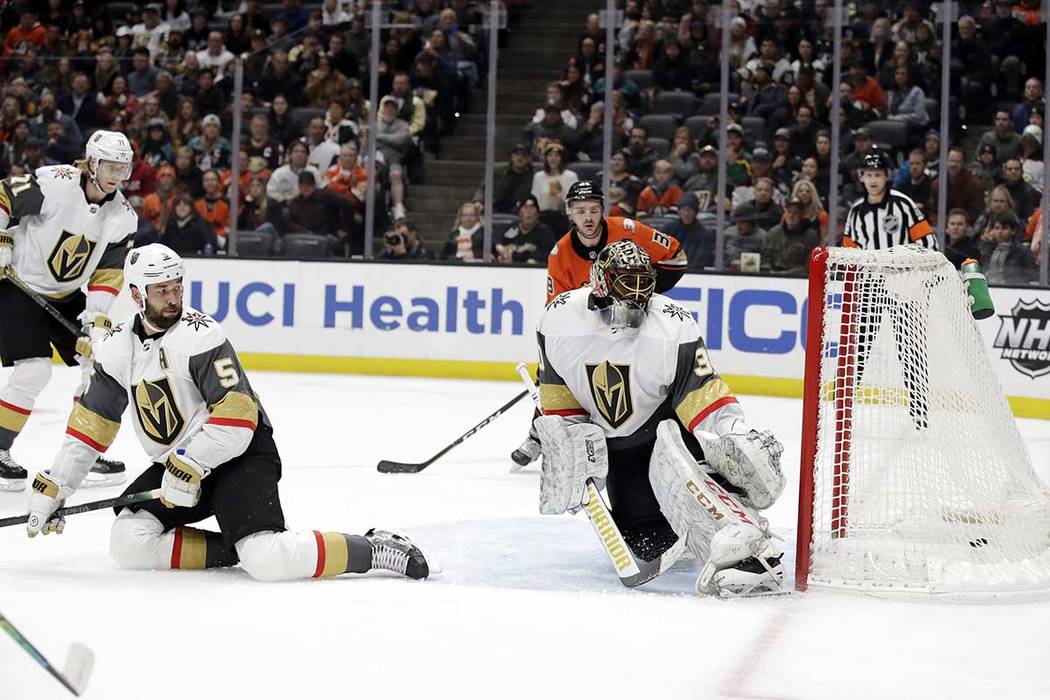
[163, 74]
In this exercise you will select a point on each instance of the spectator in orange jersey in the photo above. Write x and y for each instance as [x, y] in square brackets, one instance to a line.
[157, 205]
[347, 176]
[212, 207]
[28, 30]
[661, 196]
[569, 264]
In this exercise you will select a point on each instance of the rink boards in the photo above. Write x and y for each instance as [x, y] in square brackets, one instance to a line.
[478, 321]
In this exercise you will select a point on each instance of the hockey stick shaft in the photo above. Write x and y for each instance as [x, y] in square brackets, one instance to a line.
[631, 569]
[127, 500]
[389, 467]
[20, 639]
[42, 302]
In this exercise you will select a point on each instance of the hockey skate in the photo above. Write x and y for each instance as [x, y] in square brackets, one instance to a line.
[527, 453]
[105, 472]
[12, 475]
[397, 553]
[743, 562]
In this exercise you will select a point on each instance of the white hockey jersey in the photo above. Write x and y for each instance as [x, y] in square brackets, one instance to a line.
[186, 388]
[627, 381]
[63, 241]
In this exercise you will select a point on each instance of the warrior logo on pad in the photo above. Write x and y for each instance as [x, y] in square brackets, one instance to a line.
[157, 411]
[611, 389]
[69, 257]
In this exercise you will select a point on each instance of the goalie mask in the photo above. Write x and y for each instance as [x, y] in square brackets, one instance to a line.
[622, 283]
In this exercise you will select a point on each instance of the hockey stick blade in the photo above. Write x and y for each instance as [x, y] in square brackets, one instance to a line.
[79, 660]
[389, 467]
[127, 500]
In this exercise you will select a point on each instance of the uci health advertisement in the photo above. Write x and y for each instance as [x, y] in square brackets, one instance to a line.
[478, 321]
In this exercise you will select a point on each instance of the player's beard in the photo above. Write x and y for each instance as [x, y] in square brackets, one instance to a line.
[165, 317]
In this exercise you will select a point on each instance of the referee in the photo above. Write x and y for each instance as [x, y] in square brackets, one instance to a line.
[885, 218]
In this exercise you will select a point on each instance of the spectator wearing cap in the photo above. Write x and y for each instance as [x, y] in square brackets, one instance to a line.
[529, 240]
[211, 150]
[1002, 137]
[1032, 156]
[283, 185]
[210, 98]
[1004, 258]
[551, 128]
[698, 241]
[1026, 199]
[156, 145]
[738, 158]
[744, 236]
[512, 182]
[321, 211]
[704, 184]
[985, 168]
[212, 206]
[762, 167]
[915, 180]
[395, 141]
[1033, 98]
[157, 205]
[215, 55]
[186, 232]
[787, 245]
[151, 32]
[865, 92]
[551, 184]
[964, 189]
[142, 78]
[660, 197]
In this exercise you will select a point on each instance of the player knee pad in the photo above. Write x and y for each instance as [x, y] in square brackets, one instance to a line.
[138, 541]
[27, 380]
[277, 556]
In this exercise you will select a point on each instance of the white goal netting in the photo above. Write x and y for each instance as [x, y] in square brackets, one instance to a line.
[921, 480]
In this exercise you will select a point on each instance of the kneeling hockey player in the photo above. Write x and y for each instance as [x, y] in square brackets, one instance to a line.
[629, 397]
[199, 420]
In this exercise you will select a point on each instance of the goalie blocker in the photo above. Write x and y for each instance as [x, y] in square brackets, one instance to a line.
[616, 362]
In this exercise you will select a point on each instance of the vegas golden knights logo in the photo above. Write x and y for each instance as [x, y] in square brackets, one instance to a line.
[611, 389]
[158, 413]
[70, 256]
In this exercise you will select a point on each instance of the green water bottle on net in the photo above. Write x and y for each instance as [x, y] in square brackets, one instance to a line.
[977, 288]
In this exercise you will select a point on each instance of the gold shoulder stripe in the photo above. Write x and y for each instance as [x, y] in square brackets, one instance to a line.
[236, 409]
[84, 422]
[697, 401]
[557, 397]
[111, 279]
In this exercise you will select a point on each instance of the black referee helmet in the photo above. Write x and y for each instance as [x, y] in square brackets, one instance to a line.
[876, 160]
[584, 191]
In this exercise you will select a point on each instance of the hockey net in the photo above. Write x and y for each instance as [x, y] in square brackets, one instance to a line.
[914, 475]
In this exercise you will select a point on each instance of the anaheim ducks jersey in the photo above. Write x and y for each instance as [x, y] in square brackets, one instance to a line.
[627, 381]
[63, 241]
[186, 388]
[569, 264]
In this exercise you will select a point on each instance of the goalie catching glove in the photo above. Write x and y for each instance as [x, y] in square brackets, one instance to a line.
[573, 453]
[749, 461]
[181, 485]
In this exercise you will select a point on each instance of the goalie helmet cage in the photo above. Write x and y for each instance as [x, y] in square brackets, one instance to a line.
[914, 476]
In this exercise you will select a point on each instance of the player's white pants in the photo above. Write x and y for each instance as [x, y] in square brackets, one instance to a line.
[27, 380]
[138, 541]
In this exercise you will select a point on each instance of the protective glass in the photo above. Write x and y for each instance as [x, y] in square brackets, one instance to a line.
[112, 170]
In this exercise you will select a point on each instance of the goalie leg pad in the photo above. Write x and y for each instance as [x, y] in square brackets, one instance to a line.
[573, 453]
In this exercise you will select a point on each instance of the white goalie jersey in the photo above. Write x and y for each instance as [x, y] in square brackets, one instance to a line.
[186, 388]
[63, 241]
[628, 380]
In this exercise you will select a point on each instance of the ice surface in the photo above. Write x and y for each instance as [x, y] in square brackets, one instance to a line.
[526, 607]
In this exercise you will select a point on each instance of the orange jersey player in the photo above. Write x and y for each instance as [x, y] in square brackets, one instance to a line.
[569, 264]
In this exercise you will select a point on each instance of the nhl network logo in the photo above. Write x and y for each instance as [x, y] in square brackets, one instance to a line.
[1024, 338]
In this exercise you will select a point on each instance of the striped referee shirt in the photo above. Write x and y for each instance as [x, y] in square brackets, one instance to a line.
[893, 221]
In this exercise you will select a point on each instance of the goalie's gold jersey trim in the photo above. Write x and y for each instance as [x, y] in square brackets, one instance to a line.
[1023, 406]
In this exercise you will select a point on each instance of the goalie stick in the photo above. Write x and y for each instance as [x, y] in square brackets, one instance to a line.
[389, 467]
[127, 500]
[631, 569]
[79, 660]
